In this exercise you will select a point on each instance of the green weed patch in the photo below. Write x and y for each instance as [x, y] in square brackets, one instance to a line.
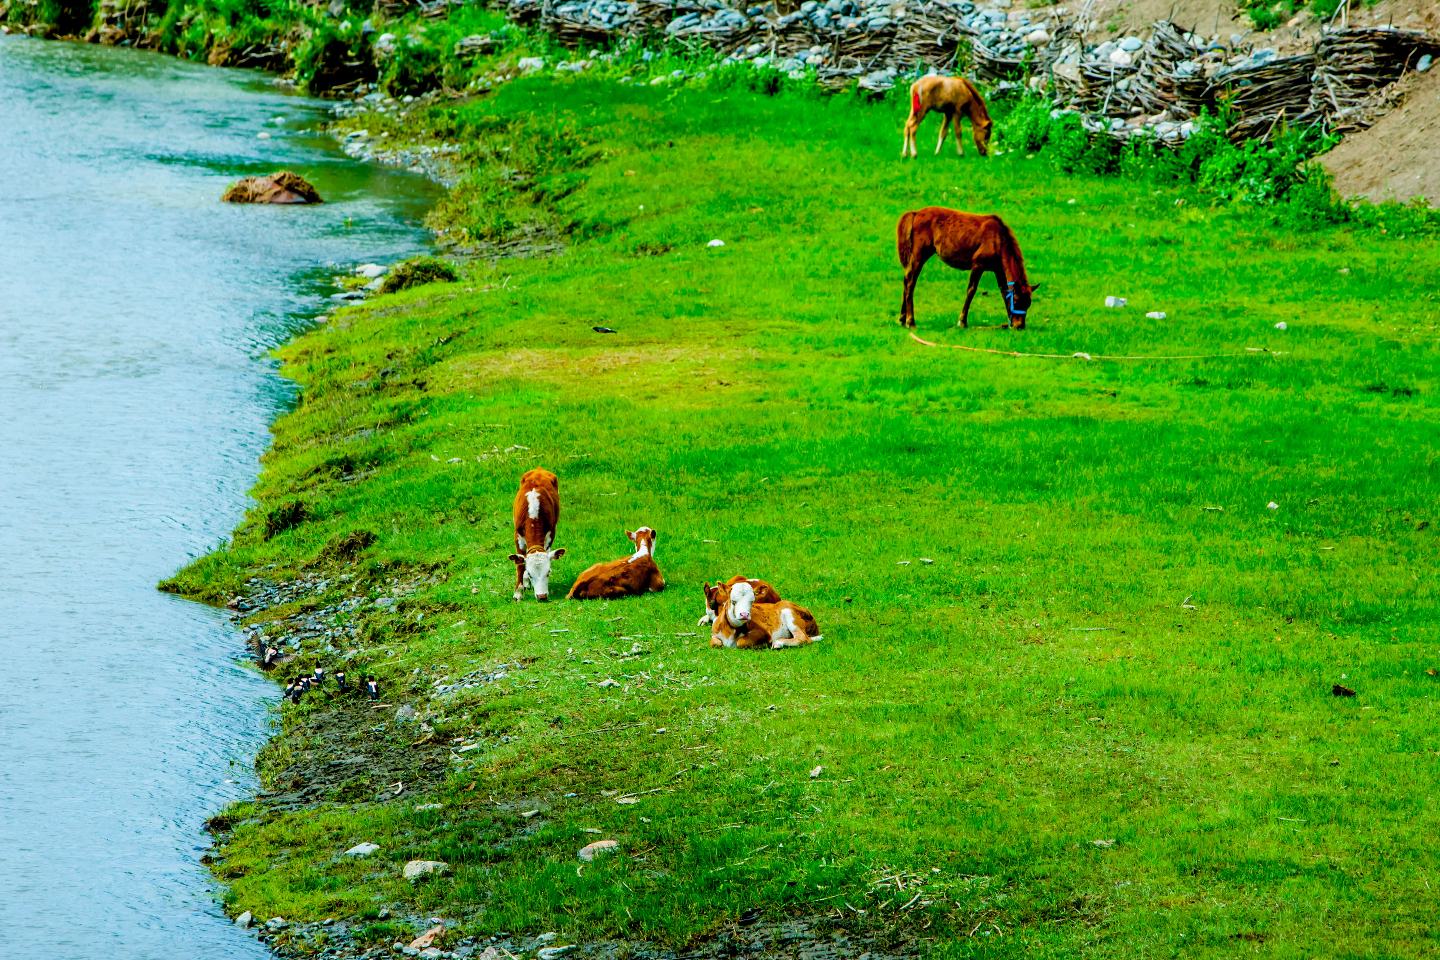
[1074, 694]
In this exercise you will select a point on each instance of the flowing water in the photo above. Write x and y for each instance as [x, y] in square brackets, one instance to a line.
[135, 315]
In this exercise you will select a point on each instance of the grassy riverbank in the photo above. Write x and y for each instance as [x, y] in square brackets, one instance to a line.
[1057, 609]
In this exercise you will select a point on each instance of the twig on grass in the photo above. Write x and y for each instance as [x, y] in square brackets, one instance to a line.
[586, 733]
[1088, 629]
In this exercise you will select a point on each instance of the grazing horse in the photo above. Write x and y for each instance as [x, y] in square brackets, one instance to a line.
[951, 96]
[965, 241]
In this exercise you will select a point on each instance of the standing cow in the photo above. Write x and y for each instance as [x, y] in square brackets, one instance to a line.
[537, 512]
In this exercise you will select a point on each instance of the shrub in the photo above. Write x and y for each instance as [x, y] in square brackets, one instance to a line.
[417, 271]
[287, 516]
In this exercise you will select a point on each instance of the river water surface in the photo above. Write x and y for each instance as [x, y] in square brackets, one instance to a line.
[135, 312]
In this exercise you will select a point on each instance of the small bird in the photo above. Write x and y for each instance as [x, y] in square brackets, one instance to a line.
[602, 329]
[270, 654]
[320, 677]
[373, 685]
[340, 681]
[289, 689]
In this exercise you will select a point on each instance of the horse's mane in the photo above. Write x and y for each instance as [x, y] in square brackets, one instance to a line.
[977, 103]
[1012, 246]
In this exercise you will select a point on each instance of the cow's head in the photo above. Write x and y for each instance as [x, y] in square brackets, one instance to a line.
[535, 570]
[742, 598]
[644, 540]
[1017, 302]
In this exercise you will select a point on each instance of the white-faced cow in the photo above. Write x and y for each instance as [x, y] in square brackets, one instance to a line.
[628, 577]
[741, 622]
[537, 512]
[717, 595]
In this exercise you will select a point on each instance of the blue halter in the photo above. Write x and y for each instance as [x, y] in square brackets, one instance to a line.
[1010, 298]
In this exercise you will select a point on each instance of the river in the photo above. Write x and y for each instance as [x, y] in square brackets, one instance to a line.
[135, 316]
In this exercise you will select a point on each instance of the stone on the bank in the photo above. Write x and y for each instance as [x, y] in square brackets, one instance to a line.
[530, 64]
[370, 270]
[276, 923]
[432, 953]
[553, 953]
[416, 869]
[405, 712]
[362, 849]
[245, 921]
[592, 850]
[282, 187]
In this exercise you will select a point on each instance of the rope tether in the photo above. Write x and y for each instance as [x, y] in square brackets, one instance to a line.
[1249, 352]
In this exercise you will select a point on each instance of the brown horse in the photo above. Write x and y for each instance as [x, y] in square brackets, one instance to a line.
[953, 97]
[965, 241]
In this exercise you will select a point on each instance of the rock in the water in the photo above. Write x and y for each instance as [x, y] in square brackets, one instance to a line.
[416, 869]
[282, 187]
[245, 920]
[362, 849]
[591, 851]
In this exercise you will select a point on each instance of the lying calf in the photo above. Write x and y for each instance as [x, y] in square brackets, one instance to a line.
[630, 577]
[718, 594]
[741, 622]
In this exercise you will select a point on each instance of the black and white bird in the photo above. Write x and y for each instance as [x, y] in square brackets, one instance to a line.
[320, 677]
[289, 689]
[373, 687]
[340, 681]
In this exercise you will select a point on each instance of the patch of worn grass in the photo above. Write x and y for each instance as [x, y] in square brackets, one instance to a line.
[1057, 609]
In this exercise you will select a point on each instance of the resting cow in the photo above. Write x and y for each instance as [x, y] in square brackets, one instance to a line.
[718, 594]
[630, 577]
[741, 622]
[537, 512]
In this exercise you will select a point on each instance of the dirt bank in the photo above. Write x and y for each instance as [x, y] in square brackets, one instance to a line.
[1399, 157]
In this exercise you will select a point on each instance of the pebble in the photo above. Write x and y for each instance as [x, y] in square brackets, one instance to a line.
[362, 849]
[1115, 301]
[716, 243]
[405, 712]
[1281, 325]
[551, 953]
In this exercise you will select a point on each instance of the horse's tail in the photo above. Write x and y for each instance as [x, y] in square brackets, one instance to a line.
[905, 237]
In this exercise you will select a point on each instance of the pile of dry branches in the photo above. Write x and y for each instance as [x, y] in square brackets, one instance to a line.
[1352, 66]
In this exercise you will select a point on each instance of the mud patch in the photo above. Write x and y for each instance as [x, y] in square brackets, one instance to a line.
[354, 753]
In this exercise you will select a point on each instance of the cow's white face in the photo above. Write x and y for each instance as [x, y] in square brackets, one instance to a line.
[537, 570]
[742, 598]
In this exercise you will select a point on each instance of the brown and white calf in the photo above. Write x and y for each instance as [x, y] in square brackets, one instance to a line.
[718, 594]
[628, 577]
[741, 622]
[537, 512]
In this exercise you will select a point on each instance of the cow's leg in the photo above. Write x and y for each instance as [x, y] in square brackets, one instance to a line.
[975, 274]
[912, 273]
[789, 633]
[522, 580]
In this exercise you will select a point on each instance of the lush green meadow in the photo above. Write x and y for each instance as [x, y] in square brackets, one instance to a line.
[1057, 608]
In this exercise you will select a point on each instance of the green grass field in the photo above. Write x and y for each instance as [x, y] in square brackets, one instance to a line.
[1115, 639]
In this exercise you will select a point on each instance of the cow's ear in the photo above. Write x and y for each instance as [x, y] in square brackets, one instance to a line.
[517, 558]
[556, 555]
[654, 534]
